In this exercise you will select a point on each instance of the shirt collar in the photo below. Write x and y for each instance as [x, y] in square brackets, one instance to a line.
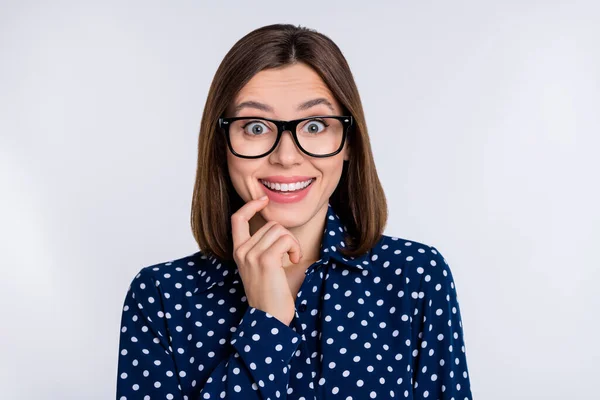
[333, 242]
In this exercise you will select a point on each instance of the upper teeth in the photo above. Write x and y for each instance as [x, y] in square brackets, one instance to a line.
[286, 187]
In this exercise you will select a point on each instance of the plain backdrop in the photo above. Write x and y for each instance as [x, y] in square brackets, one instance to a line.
[484, 120]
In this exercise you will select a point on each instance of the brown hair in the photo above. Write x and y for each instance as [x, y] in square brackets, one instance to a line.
[359, 199]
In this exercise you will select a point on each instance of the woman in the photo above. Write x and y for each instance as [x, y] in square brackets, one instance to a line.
[296, 293]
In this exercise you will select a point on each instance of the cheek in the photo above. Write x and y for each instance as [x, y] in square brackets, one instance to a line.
[241, 172]
[332, 171]
[236, 172]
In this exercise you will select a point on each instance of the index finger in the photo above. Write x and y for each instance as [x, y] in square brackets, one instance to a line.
[240, 228]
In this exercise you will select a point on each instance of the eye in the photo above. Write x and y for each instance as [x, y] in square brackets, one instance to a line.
[313, 126]
[257, 128]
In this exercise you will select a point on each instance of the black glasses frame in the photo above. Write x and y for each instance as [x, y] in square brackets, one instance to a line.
[282, 126]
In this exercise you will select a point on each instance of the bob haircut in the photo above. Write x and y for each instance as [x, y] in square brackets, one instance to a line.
[358, 200]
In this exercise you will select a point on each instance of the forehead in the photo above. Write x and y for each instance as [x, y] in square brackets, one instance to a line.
[284, 90]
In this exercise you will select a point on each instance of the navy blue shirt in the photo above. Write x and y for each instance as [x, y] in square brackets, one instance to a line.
[380, 326]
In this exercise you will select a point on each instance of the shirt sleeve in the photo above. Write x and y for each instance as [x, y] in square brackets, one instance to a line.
[439, 354]
[259, 367]
[146, 365]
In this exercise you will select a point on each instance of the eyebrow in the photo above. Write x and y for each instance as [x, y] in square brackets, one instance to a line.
[265, 107]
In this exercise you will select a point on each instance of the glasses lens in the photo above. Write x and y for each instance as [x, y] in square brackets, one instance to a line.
[253, 137]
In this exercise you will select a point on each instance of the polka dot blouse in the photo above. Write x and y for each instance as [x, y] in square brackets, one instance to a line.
[385, 325]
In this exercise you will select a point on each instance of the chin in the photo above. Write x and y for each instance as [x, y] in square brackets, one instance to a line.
[290, 215]
[288, 221]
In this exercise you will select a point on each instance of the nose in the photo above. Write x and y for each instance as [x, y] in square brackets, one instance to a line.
[286, 151]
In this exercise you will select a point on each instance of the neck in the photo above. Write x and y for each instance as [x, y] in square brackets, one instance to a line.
[309, 234]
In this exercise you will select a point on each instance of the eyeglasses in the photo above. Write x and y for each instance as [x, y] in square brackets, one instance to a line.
[255, 137]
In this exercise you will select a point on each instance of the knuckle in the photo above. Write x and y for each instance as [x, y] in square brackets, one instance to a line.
[263, 258]
[280, 229]
[289, 239]
[282, 241]
[251, 258]
[237, 253]
[287, 236]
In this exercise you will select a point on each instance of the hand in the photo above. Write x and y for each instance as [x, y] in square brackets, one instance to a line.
[259, 261]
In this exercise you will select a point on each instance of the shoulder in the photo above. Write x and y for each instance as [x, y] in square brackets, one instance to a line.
[189, 274]
[421, 265]
[401, 250]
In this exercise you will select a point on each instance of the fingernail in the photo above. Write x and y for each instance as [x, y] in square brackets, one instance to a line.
[263, 198]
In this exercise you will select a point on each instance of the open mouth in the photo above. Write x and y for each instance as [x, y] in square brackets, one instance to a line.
[287, 188]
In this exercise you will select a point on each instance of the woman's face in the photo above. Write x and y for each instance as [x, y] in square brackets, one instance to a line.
[282, 91]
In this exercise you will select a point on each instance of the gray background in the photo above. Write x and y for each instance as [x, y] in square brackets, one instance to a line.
[484, 119]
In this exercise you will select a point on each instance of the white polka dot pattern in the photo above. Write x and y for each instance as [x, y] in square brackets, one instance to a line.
[380, 326]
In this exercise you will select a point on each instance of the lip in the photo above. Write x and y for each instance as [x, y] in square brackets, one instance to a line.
[286, 179]
[289, 197]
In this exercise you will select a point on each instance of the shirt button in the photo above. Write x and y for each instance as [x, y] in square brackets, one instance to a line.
[302, 307]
